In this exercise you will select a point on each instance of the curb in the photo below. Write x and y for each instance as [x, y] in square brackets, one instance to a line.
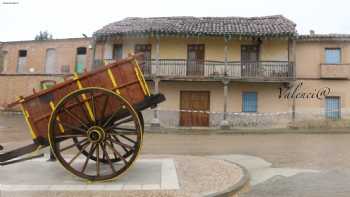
[263, 131]
[236, 188]
[232, 131]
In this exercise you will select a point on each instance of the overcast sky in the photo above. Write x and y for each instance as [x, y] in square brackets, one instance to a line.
[70, 18]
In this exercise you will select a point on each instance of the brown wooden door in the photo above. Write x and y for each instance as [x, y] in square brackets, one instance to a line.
[249, 60]
[195, 60]
[194, 101]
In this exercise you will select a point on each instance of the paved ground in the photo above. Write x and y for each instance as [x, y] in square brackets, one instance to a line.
[327, 153]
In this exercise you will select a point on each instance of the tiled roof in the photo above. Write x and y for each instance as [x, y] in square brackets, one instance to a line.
[276, 25]
[325, 37]
[50, 40]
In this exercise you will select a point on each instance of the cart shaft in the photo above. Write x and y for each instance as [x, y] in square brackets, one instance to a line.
[7, 156]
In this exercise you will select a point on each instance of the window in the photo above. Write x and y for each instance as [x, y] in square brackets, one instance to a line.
[333, 107]
[332, 56]
[81, 50]
[117, 51]
[22, 61]
[249, 102]
[22, 53]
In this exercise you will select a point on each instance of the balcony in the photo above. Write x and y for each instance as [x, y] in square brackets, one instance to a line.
[335, 71]
[199, 69]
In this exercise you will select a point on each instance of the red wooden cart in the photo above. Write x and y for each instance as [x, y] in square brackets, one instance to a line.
[92, 122]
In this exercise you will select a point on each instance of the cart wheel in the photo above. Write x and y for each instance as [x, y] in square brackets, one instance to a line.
[100, 123]
[102, 158]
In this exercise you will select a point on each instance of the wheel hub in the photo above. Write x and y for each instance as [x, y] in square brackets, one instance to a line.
[96, 134]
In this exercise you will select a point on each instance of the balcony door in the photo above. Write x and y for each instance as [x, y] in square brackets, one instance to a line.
[146, 49]
[80, 59]
[195, 60]
[249, 60]
[50, 63]
[22, 61]
[117, 52]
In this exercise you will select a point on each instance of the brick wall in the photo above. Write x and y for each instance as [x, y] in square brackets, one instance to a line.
[66, 51]
[14, 84]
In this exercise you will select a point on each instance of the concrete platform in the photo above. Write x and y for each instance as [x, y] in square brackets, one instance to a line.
[39, 175]
[150, 176]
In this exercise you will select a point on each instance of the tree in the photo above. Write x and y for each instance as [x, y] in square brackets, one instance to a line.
[43, 35]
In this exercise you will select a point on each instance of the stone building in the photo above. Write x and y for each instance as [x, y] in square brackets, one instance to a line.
[216, 64]
[244, 71]
[214, 71]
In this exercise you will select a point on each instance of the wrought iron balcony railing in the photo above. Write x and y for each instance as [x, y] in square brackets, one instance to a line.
[183, 68]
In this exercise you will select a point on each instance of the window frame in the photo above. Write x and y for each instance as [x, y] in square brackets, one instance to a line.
[333, 48]
[256, 100]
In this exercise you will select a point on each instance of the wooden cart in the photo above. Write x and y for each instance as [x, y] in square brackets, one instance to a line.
[91, 122]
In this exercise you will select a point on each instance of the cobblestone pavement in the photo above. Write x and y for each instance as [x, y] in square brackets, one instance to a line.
[327, 153]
